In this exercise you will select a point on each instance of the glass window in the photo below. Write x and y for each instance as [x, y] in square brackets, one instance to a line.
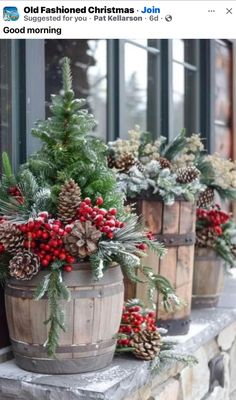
[184, 86]
[88, 64]
[135, 85]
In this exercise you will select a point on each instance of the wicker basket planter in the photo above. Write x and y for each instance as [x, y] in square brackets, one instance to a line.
[208, 278]
[93, 317]
[175, 227]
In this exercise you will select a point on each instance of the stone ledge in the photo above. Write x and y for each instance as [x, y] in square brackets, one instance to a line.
[127, 378]
[122, 378]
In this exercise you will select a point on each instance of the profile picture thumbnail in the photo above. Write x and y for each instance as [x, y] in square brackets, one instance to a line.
[10, 14]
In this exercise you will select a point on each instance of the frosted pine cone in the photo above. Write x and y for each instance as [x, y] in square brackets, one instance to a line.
[69, 200]
[164, 163]
[146, 344]
[24, 265]
[187, 174]
[82, 241]
[206, 198]
[10, 237]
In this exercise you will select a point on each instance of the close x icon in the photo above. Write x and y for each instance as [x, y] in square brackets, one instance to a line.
[229, 10]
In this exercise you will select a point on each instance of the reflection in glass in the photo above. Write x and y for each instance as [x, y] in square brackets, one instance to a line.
[135, 87]
[178, 98]
[88, 64]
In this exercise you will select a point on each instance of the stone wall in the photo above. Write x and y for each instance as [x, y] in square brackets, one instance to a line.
[213, 378]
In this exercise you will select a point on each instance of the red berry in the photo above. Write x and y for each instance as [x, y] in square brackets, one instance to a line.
[113, 211]
[44, 262]
[70, 259]
[68, 228]
[87, 200]
[62, 256]
[67, 268]
[99, 201]
[45, 235]
[61, 232]
[82, 219]
[55, 228]
[110, 235]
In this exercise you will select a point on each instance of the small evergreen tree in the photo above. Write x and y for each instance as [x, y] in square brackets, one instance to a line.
[69, 151]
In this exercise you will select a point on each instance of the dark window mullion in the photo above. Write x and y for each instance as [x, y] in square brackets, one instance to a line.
[166, 89]
[153, 88]
[115, 88]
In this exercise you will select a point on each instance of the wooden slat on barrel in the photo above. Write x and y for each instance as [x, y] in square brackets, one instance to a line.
[152, 214]
[83, 316]
[38, 314]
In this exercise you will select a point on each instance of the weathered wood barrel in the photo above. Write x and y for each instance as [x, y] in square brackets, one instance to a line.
[92, 317]
[175, 227]
[208, 278]
[4, 336]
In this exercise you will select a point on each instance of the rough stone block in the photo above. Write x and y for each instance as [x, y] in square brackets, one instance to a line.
[227, 337]
[211, 348]
[232, 367]
[167, 391]
[217, 394]
[232, 396]
[145, 392]
[195, 380]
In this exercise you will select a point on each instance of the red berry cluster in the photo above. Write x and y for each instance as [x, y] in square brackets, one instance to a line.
[44, 237]
[134, 319]
[213, 218]
[104, 220]
[14, 191]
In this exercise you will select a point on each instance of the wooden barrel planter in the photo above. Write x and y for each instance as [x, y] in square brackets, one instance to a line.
[175, 227]
[4, 336]
[208, 278]
[93, 317]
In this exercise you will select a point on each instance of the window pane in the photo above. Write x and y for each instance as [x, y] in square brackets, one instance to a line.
[88, 64]
[178, 99]
[135, 87]
[178, 50]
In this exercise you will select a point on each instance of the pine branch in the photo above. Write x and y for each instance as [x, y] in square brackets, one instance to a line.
[66, 74]
[53, 286]
[175, 147]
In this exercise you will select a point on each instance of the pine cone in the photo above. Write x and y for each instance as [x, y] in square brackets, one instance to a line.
[69, 201]
[111, 161]
[139, 165]
[82, 240]
[125, 161]
[164, 163]
[10, 237]
[187, 174]
[24, 265]
[146, 344]
[206, 198]
[205, 238]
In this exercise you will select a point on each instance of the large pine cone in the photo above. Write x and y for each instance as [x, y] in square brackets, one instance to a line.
[146, 344]
[11, 237]
[206, 198]
[82, 240]
[69, 200]
[187, 174]
[24, 265]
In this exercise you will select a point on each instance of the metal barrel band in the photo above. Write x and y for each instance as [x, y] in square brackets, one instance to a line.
[173, 240]
[39, 349]
[75, 294]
